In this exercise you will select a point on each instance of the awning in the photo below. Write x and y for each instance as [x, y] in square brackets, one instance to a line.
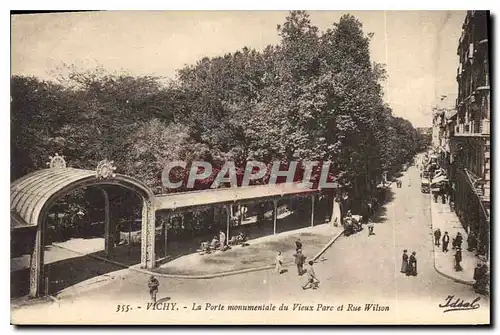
[439, 179]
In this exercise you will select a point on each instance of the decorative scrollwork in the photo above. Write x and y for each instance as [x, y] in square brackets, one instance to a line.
[105, 169]
[56, 162]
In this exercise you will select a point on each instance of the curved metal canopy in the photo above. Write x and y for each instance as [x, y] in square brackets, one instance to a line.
[29, 194]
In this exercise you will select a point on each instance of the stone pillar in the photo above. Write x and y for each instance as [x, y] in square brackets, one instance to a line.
[275, 214]
[108, 241]
[148, 235]
[165, 230]
[228, 221]
[240, 214]
[312, 210]
[37, 264]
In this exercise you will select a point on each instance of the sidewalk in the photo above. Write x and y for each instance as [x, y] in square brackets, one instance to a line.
[259, 255]
[446, 220]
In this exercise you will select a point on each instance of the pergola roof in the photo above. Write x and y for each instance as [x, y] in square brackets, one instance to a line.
[230, 195]
[29, 194]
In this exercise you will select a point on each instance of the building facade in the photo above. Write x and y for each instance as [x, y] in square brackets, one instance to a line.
[469, 130]
[443, 127]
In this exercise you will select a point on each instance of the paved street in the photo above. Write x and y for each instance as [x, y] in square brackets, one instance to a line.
[356, 270]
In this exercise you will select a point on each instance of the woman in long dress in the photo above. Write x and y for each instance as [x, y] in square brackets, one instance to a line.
[404, 264]
[412, 265]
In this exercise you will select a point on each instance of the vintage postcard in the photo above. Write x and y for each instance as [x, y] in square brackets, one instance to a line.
[250, 167]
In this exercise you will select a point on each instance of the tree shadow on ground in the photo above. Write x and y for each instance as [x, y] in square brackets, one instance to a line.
[380, 215]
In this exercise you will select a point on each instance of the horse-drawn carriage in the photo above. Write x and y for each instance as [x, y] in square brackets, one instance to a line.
[352, 224]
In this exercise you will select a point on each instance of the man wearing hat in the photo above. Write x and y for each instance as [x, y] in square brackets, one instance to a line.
[153, 285]
[299, 261]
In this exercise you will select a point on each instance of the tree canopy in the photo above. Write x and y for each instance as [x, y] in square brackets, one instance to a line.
[315, 96]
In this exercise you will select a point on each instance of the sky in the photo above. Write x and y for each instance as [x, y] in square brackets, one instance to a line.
[419, 48]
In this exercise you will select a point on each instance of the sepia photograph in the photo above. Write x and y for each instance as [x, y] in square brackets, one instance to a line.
[301, 167]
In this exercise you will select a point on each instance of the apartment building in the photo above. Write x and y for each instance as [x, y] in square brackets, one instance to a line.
[469, 135]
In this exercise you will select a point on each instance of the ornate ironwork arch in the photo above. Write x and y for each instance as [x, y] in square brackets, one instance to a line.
[33, 195]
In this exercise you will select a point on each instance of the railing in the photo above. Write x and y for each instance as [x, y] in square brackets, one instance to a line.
[472, 183]
[473, 129]
[484, 127]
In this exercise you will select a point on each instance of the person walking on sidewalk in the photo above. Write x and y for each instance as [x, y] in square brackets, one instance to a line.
[481, 279]
[153, 285]
[458, 260]
[477, 277]
[279, 263]
[446, 240]
[299, 261]
[404, 263]
[298, 245]
[370, 228]
[471, 241]
[437, 236]
[312, 280]
[457, 241]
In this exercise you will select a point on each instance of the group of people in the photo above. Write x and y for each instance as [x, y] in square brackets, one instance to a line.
[300, 260]
[481, 270]
[221, 243]
[456, 245]
[409, 263]
[445, 193]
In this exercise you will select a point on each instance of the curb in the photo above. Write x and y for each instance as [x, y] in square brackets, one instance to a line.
[327, 246]
[458, 280]
[230, 273]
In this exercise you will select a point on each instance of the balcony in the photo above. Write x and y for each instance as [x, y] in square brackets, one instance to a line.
[484, 127]
[473, 129]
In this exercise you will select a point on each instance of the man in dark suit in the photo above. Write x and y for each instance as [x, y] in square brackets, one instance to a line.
[446, 240]
[299, 261]
[153, 285]
[412, 265]
[437, 236]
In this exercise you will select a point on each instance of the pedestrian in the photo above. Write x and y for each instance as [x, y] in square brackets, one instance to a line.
[370, 228]
[458, 260]
[312, 280]
[459, 240]
[435, 197]
[412, 265]
[471, 241]
[437, 236]
[482, 280]
[153, 285]
[446, 240]
[298, 245]
[477, 276]
[444, 196]
[279, 263]
[404, 263]
[299, 261]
